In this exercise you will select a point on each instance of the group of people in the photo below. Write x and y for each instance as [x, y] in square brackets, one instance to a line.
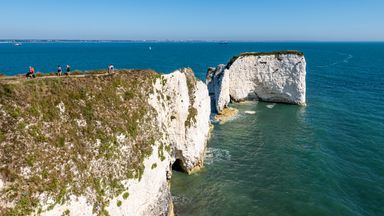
[31, 72]
[60, 70]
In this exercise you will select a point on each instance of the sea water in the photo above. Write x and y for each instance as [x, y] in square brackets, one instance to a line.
[272, 159]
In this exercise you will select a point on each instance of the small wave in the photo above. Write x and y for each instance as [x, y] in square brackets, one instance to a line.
[250, 112]
[325, 66]
[346, 60]
[270, 106]
[215, 154]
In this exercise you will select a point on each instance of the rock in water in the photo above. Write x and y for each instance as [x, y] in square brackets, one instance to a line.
[272, 76]
[226, 115]
[218, 87]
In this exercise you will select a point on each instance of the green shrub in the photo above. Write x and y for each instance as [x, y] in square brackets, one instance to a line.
[125, 195]
[154, 166]
[66, 213]
[118, 203]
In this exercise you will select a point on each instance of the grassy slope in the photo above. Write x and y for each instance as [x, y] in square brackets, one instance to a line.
[54, 149]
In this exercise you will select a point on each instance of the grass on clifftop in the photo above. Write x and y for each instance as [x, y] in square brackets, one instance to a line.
[73, 135]
[276, 53]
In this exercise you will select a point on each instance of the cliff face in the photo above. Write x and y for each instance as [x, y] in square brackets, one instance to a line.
[273, 77]
[218, 87]
[99, 144]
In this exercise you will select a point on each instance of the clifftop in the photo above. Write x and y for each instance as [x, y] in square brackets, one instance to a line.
[276, 53]
[283, 52]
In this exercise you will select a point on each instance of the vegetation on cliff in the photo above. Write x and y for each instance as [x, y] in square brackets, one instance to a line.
[191, 84]
[77, 136]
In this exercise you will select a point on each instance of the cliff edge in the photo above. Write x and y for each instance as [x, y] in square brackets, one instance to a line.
[99, 144]
[267, 76]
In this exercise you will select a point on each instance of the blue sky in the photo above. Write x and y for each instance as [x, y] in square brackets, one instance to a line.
[244, 20]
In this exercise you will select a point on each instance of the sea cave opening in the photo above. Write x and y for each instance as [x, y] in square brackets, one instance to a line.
[178, 166]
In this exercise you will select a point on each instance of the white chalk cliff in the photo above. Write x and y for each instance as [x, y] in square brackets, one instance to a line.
[272, 77]
[187, 141]
[182, 109]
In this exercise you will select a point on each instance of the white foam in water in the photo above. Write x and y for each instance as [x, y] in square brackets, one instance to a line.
[345, 60]
[250, 112]
[215, 154]
[348, 58]
[270, 106]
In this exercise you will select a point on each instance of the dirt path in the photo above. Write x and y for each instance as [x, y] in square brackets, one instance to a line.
[21, 78]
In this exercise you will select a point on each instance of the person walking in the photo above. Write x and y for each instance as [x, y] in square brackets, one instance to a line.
[59, 70]
[68, 70]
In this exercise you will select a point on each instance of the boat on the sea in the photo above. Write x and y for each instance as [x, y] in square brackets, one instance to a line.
[18, 44]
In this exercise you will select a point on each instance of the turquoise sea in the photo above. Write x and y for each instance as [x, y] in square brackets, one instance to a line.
[323, 159]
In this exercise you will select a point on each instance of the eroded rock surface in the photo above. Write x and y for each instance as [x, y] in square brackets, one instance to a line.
[273, 77]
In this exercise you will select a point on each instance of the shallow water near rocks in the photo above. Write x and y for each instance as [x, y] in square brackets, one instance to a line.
[323, 159]
[278, 162]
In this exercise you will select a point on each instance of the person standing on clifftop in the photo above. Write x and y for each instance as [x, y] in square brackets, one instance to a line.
[111, 68]
[59, 70]
[68, 70]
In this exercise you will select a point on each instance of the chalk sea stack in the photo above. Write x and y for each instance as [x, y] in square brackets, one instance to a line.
[267, 76]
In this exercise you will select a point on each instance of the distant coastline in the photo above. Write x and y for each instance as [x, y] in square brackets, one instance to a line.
[111, 41]
[10, 41]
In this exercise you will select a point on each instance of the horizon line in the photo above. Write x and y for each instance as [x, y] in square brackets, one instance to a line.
[189, 40]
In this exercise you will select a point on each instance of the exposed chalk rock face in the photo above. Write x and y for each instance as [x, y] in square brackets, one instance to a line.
[218, 86]
[273, 77]
[150, 195]
[187, 115]
[122, 136]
